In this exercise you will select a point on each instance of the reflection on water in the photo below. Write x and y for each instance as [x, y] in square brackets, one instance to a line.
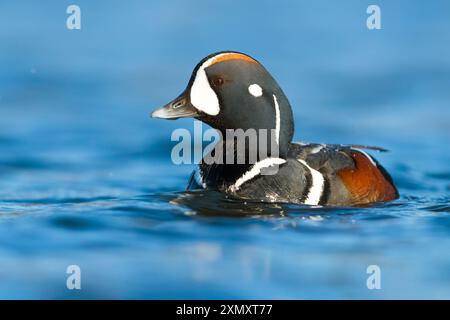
[86, 176]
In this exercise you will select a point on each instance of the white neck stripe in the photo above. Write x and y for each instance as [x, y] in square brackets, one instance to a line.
[277, 119]
[255, 170]
[316, 189]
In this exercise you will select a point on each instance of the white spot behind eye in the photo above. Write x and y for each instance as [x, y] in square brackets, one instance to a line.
[255, 170]
[255, 90]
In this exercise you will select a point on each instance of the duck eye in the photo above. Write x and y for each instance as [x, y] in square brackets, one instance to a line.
[218, 81]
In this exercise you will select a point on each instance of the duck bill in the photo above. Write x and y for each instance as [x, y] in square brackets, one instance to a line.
[178, 108]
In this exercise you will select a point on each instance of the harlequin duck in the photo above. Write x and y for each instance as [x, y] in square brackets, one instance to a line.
[231, 90]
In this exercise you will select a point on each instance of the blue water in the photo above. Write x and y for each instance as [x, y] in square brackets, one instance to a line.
[86, 176]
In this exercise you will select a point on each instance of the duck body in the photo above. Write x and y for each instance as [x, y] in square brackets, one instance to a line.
[312, 174]
[232, 91]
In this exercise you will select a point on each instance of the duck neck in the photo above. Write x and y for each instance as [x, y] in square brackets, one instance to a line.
[255, 137]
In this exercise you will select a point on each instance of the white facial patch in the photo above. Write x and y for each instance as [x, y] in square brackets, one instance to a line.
[203, 96]
[255, 90]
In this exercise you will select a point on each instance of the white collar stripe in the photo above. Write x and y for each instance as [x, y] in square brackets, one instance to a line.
[203, 96]
[255, 170]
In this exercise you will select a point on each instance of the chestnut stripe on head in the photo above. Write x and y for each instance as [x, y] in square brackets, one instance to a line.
[226, 56]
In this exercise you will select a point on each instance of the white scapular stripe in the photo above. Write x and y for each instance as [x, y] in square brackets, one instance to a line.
[315, 192]
[255, 170]
[316, 149]
[255, 90]
[277, 119]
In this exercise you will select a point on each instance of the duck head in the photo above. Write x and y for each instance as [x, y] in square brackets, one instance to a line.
[231, 90]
